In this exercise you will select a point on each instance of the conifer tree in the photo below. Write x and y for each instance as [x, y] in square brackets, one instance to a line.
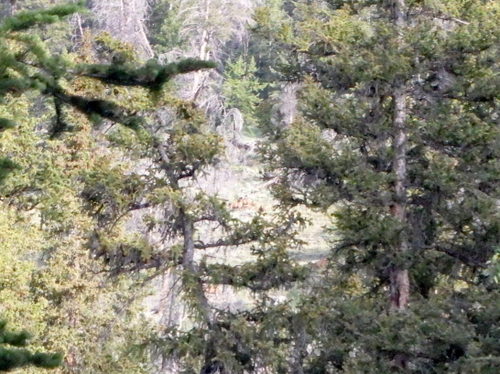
[28, 66]
[179, 149]
[397, 139]
[187, 226]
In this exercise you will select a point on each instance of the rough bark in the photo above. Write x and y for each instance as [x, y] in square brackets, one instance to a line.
[399, 279]
[399, 275]
[189, 265]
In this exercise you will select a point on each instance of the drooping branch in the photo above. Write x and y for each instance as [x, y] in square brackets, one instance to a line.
[152, 75]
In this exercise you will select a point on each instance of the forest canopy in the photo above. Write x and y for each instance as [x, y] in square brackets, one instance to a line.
[246, 186]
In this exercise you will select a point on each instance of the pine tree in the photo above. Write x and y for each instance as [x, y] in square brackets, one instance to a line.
[397, 139]
[241, 90]
[186, 226]
[179, 149]
[29, 67]
[50, 285]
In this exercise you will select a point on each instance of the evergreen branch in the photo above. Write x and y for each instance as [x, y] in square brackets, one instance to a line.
[14, 85]
[103, 108]
[224, 243]
[6, 123]
[152, 75]
[263, 275]
[16, 358]
[13, 358]
[7, 166]
[25, 20]
[15, 339]
[461, 256]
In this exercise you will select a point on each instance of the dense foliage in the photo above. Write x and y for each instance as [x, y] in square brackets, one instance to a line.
[50, 285]
[377, 125]
[396, 139]
[13, 358]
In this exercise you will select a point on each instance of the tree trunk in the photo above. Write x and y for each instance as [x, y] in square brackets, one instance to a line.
[399, 280]
[211, 366]
[189, 265]
[203, 54]
[400, 285]
[299, 350]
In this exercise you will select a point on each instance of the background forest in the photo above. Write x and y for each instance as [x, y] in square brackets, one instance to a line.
[249, 186]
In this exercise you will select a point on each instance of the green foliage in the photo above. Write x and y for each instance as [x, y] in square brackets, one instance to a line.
[165, 26]
[153, 75]
[6, 124]
[25, 20]
[448, 322]
[75, 186]
[27, 64]
[241, 89]
[177, 213]
[13, 358]
[48, 284]
[6, 167]
[340, 153]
